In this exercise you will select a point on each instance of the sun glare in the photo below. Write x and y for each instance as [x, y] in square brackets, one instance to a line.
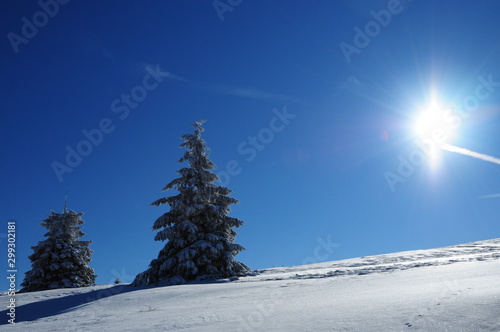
[434, 126]
[434, 122]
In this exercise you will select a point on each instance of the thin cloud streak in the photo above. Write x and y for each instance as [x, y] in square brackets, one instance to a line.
[473, 154]
[177, 78]
[170, 75]
[350, 84]
[488, 196]
[226, 90]
[470, 153]
[250, 93]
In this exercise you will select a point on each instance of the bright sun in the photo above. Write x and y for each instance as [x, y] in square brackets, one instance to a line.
[434, 122]
[433, 127]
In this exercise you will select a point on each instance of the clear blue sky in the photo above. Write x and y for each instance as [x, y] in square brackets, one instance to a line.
[317, 176]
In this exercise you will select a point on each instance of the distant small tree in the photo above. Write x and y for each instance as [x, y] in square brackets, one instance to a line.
[61, 260]
[198, 229]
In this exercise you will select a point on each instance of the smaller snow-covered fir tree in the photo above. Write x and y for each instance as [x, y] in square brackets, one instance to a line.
[61, 260]
[198, 229]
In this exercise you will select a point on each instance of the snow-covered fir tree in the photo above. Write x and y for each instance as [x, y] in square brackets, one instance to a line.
[198, 229]
[61, 260]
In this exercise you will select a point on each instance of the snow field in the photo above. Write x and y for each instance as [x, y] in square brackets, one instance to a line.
[448, 289]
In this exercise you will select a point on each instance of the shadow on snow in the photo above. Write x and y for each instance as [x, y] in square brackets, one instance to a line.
[55, 306]
[60, 305]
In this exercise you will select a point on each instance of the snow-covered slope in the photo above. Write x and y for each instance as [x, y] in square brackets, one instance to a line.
[447, 289]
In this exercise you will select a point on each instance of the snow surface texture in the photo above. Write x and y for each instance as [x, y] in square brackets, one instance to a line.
[447, 289]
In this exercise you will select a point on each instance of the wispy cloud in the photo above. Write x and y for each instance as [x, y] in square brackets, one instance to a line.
[177, 78]
[351, 83]
[164, 73]
[249, 93]
[225, 90]
[489, 196]
[95, 46]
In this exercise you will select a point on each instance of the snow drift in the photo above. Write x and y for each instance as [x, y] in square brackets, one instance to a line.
[454, 288]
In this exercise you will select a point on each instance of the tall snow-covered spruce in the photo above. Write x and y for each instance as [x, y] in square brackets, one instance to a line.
[61, 260]
[198, 229]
